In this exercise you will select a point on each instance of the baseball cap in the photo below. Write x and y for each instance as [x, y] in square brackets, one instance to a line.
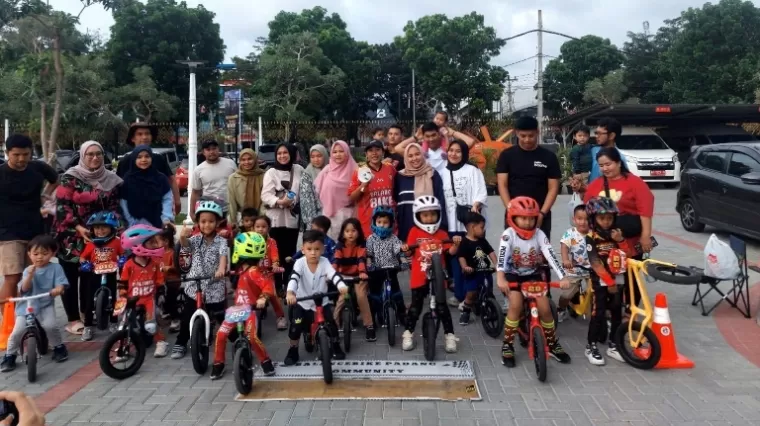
[209, 143]
[374, 144]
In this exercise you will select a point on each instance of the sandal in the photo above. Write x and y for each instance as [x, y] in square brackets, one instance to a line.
[75, 327]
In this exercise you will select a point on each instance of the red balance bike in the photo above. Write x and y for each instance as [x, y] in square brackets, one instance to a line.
[532, 332]
[320, 334]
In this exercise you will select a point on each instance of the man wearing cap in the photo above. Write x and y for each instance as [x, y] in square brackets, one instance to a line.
[211, 176]
[146, 134]
[373, 189]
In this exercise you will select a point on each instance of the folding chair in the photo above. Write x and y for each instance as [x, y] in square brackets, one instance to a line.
[738, 295]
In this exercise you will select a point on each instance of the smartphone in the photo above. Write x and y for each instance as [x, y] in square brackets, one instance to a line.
[8, 409]
[638, 245]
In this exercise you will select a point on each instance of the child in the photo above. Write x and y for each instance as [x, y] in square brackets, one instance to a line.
[383, 249]
[41, 277]
[476, 257]
[574, 259]
[254, 289]
[427, 221]
[604, 245]
[351, 261]
[172, 277]
[248, 218]
[223, 229]
[578, 185]
[270, 265]
[142, 276]
[209, 253]
[103, 255]
[321, 224]
[378, 134]
[520, 260]
[580, 154]
[310, 276]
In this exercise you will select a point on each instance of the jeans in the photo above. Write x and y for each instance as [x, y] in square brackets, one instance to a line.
[456, 271]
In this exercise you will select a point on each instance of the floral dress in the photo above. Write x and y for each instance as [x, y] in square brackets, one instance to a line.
[76, 202]
[311, 207]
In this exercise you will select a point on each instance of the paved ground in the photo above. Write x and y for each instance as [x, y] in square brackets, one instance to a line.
[723, 389]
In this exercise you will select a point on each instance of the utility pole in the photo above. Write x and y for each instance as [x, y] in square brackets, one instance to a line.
[510, 95]
[192, 143]
[414, 105]
[540, 92]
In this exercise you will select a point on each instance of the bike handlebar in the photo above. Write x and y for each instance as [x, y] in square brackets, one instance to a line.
[414, 246]
[25, 298]
[198, 279]
[318, 296]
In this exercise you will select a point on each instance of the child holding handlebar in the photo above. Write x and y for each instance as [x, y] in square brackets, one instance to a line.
[350, 261]
[476, 257]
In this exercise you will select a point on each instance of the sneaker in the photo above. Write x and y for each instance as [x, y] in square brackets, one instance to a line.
[292, 357]
[178, 352]
[121, 356]
[88, 334]
[267, 367]
[451, 343]
[369, 334]
[562, 315]
[217, 371]
[612, 352]
[282, 323]
[593, 355]
[464, 318]
[557, 352]
[162, 349]
[174, 326]
[8, 363]
[407, 340]
[60, 353]
[453, 301]
[508, 355]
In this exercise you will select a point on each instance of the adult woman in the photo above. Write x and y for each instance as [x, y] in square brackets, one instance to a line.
[280, 195]
[146, 196]
[332, 187]
[464, 188]
[244, 186]
[311, 206]
[417, 179]
[85, 189]
[635, 202]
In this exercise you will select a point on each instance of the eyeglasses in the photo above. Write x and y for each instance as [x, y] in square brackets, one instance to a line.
[94, 154]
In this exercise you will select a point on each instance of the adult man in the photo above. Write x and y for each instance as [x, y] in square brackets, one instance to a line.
[607, 132]
[530, 170]
[432, 137]
[146, 134]
[394, 137]
[21, 183]
[377, 191]
[211, 176]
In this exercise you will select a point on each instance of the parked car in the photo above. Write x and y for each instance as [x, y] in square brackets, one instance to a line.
[74, 160]
[267, 155]
[686, 139]
[720, 187]
[169, 153]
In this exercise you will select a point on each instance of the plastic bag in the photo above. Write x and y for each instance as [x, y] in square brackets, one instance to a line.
[720, 260]
[575, 200]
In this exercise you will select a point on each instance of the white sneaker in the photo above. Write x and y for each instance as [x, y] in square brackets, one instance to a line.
[162, 349]
[175, 326]
[282, 323]
[593, 355]
[407, 342]
[562, 315]
[612, 352]
[453, 301]
[451, 343]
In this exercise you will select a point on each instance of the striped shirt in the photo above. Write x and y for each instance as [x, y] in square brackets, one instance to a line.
[350, 261]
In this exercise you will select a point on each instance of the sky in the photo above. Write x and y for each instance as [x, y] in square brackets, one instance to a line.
[242, 21]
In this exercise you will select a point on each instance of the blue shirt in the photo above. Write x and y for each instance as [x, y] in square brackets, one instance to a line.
[329, 253]
[45, 279]
[595, 172]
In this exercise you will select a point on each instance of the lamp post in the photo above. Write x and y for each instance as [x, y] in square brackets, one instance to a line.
[192, 143]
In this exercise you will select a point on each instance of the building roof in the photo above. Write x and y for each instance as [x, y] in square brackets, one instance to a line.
[664, 114]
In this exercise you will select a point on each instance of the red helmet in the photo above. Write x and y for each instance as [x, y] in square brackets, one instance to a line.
[522, 206]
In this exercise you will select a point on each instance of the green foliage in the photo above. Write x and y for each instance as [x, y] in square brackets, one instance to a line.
[607, 90]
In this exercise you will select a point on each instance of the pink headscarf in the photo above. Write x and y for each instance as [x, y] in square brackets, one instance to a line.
[332, 182]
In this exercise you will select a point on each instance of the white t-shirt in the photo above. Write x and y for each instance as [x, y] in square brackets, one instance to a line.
[212, 178]
[437, 159]
[470, 186]
[304, 283]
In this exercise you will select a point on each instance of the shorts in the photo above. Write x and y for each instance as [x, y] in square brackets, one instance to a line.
[575, 286]
[12, 257]
[473, 281]
[515, 281]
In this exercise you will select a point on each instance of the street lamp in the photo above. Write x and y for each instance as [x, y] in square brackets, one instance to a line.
[192, 143]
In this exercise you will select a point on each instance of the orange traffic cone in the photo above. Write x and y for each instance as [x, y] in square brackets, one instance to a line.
[9, 321]
[664, 330]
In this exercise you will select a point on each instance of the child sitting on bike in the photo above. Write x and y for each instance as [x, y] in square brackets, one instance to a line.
[209, 259]
[270, 265]
[141, 277]
[350, 261]
[427, 221]
[476, 257]
[321, 224]
[172, 278]
[42, 276]
[223, 228]
[574, 259]
[383, 250]
[102, 255]
[310, 276]
[522, 250]
[604, 245]
[254, 288]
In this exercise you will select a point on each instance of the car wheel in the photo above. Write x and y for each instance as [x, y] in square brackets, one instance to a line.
[689, 218]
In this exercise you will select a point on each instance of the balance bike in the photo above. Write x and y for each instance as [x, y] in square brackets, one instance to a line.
[130, 333]
[388, 306]
[103, 304]
[319, 337]
[490, 312]
[34, 337]
[533, 333]
[348, 315]
[200, 329]
[242, 366]
[431, 251]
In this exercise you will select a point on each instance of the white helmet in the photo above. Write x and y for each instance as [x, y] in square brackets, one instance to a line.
[427, 203]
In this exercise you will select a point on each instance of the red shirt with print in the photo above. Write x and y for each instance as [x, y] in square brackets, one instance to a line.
[142, 281]
[379, 192]
[103, 258]
[252, 284]
[631, 194]
[418, 275]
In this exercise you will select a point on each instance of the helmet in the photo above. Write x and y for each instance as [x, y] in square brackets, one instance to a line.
[103, 218]
[380, 231]
[208, 206]
[599, 205]
[134, 239]
[526, 207]
[249, 245]
[427, 203]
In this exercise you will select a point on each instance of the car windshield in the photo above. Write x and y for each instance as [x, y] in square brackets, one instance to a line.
[731, 138]
[640, 142]
[267, 148]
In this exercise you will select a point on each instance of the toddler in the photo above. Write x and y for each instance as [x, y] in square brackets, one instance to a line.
[476, 257]
[383, 249]
[351, 261]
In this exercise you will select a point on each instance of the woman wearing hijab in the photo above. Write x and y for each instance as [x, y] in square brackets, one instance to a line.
[417, 179]
[311, 206]
[332, 187]
[280, 195]
[244, 186]
[146, 196]
[85, 189]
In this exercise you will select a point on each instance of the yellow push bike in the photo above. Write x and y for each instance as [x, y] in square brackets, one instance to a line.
[586, 297]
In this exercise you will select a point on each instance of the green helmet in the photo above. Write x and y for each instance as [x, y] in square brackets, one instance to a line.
[249, 245]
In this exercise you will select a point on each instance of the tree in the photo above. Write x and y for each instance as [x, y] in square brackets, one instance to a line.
[393, 82]
[451, 58]
[607, 90]
[579, 62]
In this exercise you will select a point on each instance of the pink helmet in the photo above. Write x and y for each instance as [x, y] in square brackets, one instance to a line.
[134, 238]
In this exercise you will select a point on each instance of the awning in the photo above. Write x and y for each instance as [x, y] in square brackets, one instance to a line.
[664, 114]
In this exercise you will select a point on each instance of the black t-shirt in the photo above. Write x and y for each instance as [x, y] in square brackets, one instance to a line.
[397, 160]
[159, 162]
[20, 200]
[529, 171]
[475, 253]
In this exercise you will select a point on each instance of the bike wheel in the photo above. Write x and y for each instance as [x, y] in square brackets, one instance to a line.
[124, 341]
[242, 368]
[646, 356]
[31, 357]
[101, 310]
[428, 338]
[491, 317]
[325, 355]
[675, 274]
[347, 320]
[198, 348]
[539, 351]
[439, 278]
[390, 322]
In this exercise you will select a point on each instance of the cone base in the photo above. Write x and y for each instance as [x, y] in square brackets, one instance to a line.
[679, 362]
